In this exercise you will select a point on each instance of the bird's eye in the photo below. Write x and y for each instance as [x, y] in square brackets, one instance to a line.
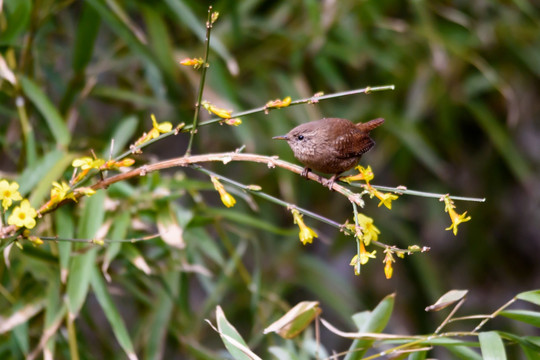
[300, 137]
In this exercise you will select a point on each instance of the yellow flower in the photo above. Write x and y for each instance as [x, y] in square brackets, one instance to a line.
[278, 103]
[388, 260]
[222, 113]
[161, 128]
[386, 198]
[35, 240]
[23, 215]
[365, 174]
[87, 163]
[363, 259]
[306, 234]
[195, 62]
[9, 193]
[454, 216]
[388, 269]
[369, 231]
[366, 255]
[157, 128]
[227, 199]
[61, 191]
[113, 165]
[355, 264]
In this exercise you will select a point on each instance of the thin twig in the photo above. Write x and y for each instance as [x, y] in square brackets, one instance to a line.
[201, 84]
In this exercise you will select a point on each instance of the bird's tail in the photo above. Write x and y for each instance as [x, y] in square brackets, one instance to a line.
[370, 125]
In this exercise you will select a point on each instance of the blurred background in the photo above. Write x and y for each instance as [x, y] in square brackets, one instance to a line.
[463, 119]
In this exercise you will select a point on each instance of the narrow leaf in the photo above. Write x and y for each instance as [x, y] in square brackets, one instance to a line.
[53, 118]
[233, 341]
[87, 30]
[81, 266]
[112, 313]
[526, 316]
[295, 320]
[370, 321]
[492, 346]
[530, 296]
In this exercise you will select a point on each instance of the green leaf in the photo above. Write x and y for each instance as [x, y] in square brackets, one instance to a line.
[160, 39]
[112, 313]
[418, 355]
[122, 135]
[501, 140]
[34, 174]
[244, 219]
[42, 189]
[295, 320]
[119, 231]
[462, 352]
[233, 341]
[530, 296]
[65, 228]
[47, 109]
[80, 269]
[526, 316]
[161, 315]
[370, 321]
[85, 38]
[492, 346]
[16, 15]
[526, 343]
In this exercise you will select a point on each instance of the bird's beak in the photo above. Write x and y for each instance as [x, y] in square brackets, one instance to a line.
[281, 137]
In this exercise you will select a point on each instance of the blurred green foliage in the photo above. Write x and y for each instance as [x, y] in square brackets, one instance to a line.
[462, 120]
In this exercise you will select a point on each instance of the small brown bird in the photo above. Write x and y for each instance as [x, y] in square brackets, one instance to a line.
[330, 145]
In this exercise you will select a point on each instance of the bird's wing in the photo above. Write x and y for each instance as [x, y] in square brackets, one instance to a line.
[353, 145]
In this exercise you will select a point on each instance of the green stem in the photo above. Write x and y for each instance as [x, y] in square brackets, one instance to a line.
[357, 265]
[401, 190]
[201, 85]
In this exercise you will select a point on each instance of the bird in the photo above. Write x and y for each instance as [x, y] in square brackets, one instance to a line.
[330, 145]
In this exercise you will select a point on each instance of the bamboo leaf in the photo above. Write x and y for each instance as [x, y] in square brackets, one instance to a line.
[295, 320]
[233, 341]
[530, 296]
[80, 269]
[111, 312]
[526, 316]
[49, 112]
[492, 346]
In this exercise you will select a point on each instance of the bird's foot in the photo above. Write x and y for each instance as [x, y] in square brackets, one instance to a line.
[331, 181]
[305, 172]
